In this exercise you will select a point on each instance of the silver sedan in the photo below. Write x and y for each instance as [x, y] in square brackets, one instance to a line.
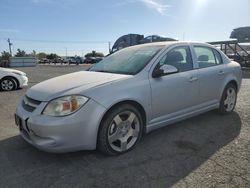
[129, 93]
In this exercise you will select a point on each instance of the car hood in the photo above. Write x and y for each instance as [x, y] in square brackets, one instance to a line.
[11, 70]
[74, 83]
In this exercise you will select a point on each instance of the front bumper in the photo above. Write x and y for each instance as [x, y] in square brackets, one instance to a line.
[77, 131]
[23, 81]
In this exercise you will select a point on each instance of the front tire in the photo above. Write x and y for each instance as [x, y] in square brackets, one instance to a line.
[8, 84]
[120, 130]
[228, 99]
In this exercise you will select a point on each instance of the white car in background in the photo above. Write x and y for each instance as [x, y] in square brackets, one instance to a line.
[11, 79]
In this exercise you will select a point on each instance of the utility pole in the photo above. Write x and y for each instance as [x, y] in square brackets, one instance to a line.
[184, 36]
[109, 46]
[10, 44]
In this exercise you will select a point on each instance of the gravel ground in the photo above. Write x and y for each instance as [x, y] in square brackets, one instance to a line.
[209, 150]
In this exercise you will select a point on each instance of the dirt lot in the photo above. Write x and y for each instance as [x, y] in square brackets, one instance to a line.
[205, 151]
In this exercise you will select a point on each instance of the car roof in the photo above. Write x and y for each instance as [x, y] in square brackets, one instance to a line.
[170, 43]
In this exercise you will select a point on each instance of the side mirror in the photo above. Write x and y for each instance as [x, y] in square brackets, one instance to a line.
[164, 70]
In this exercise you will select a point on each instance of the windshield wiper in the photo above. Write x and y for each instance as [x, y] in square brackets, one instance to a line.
[104, 71]
[113, 72]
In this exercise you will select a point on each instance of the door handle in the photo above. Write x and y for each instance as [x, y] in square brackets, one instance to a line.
[221, 72]
[193, 79]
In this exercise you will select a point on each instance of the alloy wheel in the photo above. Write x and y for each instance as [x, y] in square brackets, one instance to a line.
[7, 85]
[123, 131]
[230, 99]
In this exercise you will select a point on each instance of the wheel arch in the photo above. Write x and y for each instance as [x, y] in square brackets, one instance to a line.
[230, 79]
[134, 103]
[234, 83]
[11, 77]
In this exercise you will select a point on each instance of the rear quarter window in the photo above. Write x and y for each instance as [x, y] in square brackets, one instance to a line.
[218, 57]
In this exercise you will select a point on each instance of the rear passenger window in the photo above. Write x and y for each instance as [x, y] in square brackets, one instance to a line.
[207, 57]
[217, 57]
[179, 57]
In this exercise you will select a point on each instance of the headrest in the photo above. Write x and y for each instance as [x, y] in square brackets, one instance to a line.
[174, 56]
[203, 58]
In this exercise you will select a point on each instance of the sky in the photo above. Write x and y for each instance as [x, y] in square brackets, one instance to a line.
[75, 27]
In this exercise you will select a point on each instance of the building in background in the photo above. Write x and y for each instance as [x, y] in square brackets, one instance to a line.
[23, 62]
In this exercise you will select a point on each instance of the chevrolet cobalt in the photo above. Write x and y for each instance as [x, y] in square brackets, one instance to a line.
[129, 93]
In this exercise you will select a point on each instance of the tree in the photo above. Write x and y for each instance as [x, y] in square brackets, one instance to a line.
[5, 55]
[99, 54]
[41, 55]
[52, 56]
[20, 53]
[33, 53]
[94, 54]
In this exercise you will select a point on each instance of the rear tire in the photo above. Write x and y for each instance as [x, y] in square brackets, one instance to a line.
[120, 130]
[228, 99]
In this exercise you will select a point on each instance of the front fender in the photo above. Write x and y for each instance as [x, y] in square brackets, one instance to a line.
[136, 90]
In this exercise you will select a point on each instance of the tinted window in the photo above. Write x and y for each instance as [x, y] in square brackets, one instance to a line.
[179, 57]
[206, 57]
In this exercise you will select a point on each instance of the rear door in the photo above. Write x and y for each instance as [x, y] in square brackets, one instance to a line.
[211, 74]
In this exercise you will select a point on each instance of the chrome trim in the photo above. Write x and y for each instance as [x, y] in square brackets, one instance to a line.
[26, 102]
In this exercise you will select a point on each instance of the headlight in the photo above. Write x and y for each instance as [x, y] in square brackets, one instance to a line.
[65, 105]
[18, 73]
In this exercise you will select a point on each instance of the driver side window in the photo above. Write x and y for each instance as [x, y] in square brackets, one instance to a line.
[179, 57]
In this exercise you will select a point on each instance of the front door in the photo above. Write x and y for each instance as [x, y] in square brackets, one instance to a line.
[176, 92]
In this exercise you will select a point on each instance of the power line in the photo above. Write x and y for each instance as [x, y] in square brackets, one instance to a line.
[59, 41]
[62, 42]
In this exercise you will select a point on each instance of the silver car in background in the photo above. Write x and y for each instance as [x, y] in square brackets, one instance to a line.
[129, 93]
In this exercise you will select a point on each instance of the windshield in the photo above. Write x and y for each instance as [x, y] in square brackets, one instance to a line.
[127, 61]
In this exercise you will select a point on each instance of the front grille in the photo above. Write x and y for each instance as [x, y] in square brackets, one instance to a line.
[30, 104]
[25, 133]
